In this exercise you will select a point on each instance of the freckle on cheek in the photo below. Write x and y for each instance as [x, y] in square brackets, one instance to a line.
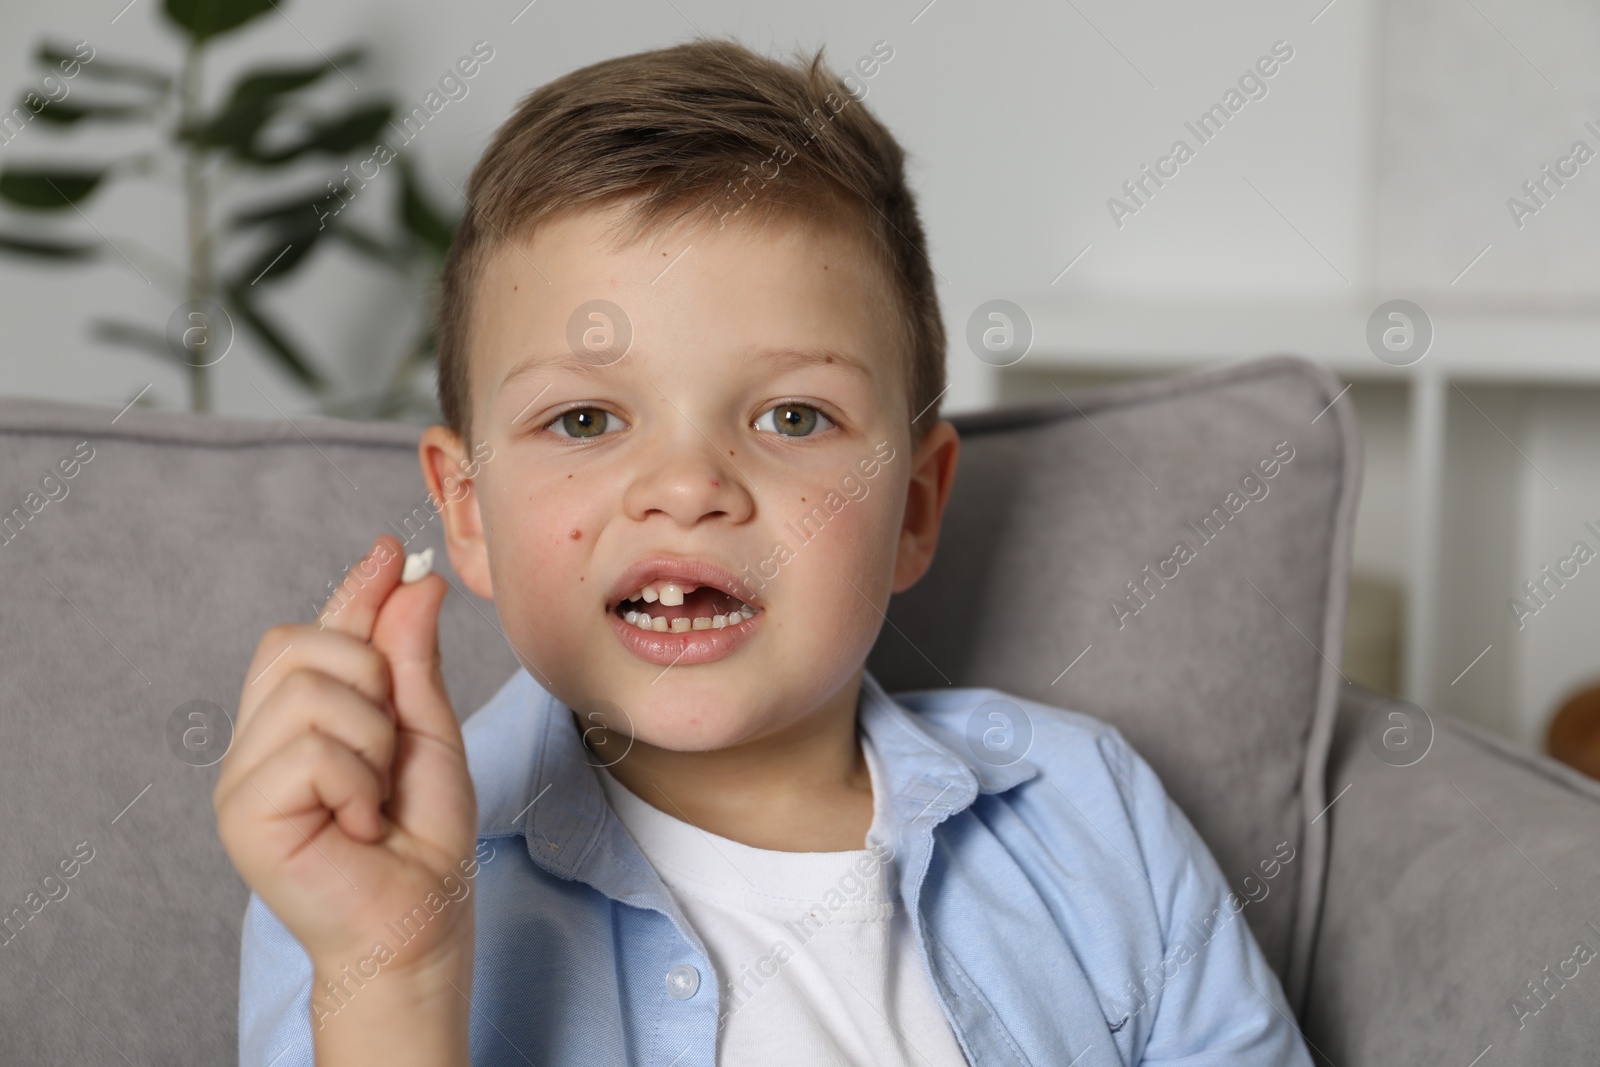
[575, 534]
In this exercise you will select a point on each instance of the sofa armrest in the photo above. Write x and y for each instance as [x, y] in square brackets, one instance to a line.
[1462, 905]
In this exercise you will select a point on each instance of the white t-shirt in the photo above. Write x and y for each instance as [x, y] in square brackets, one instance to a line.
[817, 958]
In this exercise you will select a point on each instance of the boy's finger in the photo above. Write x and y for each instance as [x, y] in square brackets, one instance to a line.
[407, 633]
[309, 701]
[286, 649]
[353, 608]
[290, 798]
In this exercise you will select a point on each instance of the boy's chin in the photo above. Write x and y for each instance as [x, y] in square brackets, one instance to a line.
[697, 725]
[677, 722]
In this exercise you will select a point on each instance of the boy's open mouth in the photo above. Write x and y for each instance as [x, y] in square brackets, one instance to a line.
[680, 596]
[677, 607]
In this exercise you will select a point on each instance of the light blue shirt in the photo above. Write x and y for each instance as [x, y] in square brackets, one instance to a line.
[1065, 909]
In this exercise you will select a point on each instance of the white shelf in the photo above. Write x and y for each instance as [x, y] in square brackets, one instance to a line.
[1479, 510]
[1468, 344]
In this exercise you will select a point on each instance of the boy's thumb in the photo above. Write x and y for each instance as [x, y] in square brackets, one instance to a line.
[407, 633]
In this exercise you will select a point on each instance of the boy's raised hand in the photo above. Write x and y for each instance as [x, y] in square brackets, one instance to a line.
[344, 800]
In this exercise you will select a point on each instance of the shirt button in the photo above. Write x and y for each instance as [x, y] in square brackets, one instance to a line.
[682, 981]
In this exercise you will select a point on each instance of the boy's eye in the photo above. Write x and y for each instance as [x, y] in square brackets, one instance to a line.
[792, 420]
[584, 422]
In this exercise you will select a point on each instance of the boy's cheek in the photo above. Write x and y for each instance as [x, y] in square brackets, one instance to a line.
[542, 554]
[858, 542]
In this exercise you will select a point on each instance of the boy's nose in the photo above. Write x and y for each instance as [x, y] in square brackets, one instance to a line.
[688, 481]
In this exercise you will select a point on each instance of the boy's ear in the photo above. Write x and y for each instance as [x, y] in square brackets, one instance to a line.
[933, 471]
[450, 472]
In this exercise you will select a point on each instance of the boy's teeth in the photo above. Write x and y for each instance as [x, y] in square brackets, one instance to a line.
[661, 624]
[671, 594]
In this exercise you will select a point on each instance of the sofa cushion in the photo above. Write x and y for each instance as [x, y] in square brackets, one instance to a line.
[1460, 912]
[143, 588]
[1222, 668]
[137, 588]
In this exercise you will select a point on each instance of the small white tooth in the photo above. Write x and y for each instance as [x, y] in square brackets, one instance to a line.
[649, 594]
[671, 594]
[659, 624]
[747, 611]
[418, 565]
[719, 621]
[702, 623]
[641, 620]
[680, 626]
[631, 616]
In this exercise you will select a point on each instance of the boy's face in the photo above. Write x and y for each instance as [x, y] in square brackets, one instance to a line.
[752, 441]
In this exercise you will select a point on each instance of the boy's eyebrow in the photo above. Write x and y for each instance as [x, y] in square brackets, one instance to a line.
[565, 361]
[779, 358]
[789, 358]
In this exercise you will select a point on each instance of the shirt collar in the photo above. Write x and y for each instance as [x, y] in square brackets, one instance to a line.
[535, 776]
[923, 758]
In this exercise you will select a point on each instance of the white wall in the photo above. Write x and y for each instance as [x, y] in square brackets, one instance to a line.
[1555, 650]
[1022, 118]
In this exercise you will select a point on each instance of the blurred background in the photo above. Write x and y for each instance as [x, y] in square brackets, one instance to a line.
[182, 169]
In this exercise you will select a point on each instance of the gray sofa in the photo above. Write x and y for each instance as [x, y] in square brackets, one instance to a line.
[1439, 878]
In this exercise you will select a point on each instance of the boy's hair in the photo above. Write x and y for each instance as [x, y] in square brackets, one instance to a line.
[707, 130]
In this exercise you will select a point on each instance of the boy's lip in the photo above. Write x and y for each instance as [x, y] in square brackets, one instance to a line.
[688, 571]
[685, 647]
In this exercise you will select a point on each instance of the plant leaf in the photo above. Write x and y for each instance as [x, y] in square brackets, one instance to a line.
[419, 216]
[254, 100]
[133, 335]
[47, 189]
[279, 257]
[275, 81]
[334, 137]
[290, 213]
[368, 245]
[107, 69]
[33, 246]
[239, 303]
[209, 18]
[290, 229]
[234, 127]
[67, 113]
[352, 130]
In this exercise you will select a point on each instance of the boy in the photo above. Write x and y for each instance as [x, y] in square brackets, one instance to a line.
[690, 324]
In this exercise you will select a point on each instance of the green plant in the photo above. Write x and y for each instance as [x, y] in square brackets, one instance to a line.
[264, 124]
